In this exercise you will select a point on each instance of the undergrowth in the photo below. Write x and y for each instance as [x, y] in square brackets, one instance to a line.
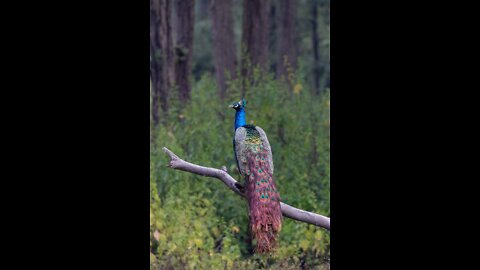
[197, 222]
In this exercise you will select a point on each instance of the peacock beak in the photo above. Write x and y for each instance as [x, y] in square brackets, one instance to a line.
[230, 106]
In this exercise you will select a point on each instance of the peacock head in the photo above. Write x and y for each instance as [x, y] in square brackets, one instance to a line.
[239, 104]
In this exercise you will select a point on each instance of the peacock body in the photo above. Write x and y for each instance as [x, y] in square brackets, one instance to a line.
[254, 161]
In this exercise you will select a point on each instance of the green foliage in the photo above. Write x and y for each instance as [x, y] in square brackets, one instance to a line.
[197, 222]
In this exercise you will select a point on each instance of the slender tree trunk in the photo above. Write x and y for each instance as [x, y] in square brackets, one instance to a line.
[184, 10]
[287, 52]
[319, 64]
[202, 11]
[272, 46]
[316, 54]
[326, 57]
[255, 37]
[169, 46]
[223, 43]
[158, 52]
[155, 71]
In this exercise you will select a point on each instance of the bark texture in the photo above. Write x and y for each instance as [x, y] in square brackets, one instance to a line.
[223, 43]
[287, 49]
[185, 17]
[160, 53]
[255, 37]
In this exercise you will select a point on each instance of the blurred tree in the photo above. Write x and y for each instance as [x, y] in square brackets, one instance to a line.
[223, 43]
[202, 9]
[185, 16]
[315, 42]
[273, 36]
[169, 45]
[255, 37]
[320, 40]
[160, 53]
[202, 56]
[325, 37]
[287, 49]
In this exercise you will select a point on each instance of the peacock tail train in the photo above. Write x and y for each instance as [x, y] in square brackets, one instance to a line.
[253, 155]
[262, 194]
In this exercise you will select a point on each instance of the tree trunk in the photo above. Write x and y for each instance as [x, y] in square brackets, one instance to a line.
[169, 46]
[159, 50]
[184, 10]
[287, 51]
[223, 43]
[255, 37]
[316, 54]
[272, 46]
[326, 55]
[202, 9]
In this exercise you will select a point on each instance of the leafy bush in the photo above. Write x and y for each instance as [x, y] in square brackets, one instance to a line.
[197, 222]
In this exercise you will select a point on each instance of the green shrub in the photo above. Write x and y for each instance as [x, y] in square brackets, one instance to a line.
[197, 222]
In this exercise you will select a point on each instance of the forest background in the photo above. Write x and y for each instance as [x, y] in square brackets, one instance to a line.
[206, 54]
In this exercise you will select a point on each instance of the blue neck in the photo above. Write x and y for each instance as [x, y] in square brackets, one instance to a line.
[240, 118]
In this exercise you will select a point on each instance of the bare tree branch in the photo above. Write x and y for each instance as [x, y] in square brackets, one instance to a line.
[221, 174]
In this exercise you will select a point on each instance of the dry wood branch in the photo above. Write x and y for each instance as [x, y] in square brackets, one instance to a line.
[221, 174]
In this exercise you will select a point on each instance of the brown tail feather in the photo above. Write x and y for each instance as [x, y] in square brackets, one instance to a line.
[264, 203]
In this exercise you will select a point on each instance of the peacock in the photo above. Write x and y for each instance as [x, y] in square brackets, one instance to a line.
[254, 161]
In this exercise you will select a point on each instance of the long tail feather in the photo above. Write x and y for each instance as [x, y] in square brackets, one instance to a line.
[264, 202]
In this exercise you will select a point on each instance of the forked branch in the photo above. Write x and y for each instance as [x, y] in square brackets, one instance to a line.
[221, 174]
